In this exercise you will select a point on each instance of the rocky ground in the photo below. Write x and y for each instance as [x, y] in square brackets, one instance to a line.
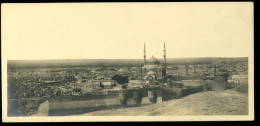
[228, 102]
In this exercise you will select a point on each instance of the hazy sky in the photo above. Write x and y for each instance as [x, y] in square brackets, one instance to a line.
[119, 30]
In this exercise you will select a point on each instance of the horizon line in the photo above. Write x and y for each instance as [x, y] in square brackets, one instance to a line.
[119, 59]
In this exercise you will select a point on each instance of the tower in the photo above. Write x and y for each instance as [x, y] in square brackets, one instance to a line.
[144, 55]
[187, 70]
[164, 55]
[141, 72]
[215, 70]
[195, 71]
[164, 65]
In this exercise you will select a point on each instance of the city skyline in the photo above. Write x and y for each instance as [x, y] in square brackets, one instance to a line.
[101, 61]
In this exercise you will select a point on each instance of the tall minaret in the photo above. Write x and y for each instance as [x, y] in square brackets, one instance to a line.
[187, 70]
[164, 66]
[215, 69]
[164, 55]
[144, 55]
[141, 71]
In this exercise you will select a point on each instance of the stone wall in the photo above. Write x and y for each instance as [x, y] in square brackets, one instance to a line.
[78, 107]
[60, 106]
[188, 91]
[193, 83]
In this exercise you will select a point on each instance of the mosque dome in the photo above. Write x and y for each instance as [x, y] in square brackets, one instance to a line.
[150, 67]
[150, 73]
[153, 60]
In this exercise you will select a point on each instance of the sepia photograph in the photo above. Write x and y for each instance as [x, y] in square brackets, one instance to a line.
[160, 61]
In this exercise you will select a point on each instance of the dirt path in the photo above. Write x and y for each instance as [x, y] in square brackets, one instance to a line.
[227, 102]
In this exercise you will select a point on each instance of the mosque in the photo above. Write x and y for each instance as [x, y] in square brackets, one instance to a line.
[153, 70]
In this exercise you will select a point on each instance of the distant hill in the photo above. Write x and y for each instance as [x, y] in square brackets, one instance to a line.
[112, 62]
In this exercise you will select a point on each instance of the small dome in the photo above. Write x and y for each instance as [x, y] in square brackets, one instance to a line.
[153, 60]
[121, 70]
[150, 73]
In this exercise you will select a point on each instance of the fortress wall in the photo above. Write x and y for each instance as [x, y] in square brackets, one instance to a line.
[188, 91]
[84, 104]
[81, 98]
[77, 107]
[145, 101]
[220, 83]
[170, 93]
[72, 104]
[59, 106]
[219, 86]
[112, 102]
[193, 83]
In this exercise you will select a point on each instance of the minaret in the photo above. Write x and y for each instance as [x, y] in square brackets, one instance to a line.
[164, 55]
[164, 66]
[187, 70]
[144, 55]
[215, 69]
[141, 71]
[195, 67]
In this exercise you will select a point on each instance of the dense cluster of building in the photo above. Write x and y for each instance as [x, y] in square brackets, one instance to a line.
[27, 88]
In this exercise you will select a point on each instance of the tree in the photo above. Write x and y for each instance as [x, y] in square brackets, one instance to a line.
[120, 79]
